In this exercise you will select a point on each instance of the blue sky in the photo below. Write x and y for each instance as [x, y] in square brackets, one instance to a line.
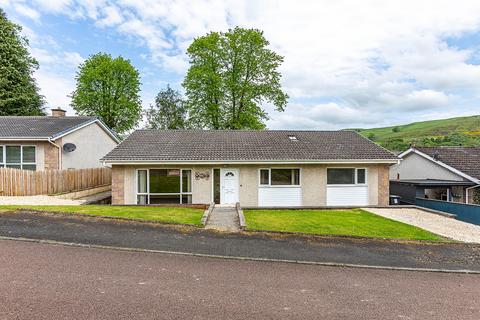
[347, 63]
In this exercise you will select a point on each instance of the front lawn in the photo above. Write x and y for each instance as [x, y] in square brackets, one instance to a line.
[179, 215]
[352, 222]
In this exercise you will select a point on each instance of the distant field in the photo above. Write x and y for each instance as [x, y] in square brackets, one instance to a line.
[446, 132]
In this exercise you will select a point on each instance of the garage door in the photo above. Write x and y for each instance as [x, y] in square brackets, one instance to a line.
[347, 195]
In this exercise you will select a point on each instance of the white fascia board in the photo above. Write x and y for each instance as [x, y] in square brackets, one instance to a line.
[406, 152]
[24, 138]
[85, 125]
[446, 166]
[189, 162]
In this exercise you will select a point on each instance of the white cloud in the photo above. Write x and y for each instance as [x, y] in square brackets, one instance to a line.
[353, 61]
[27, 11]
[56, 88]
[112, 17]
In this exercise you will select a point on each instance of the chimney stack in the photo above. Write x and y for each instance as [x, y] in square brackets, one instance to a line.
[57, 113]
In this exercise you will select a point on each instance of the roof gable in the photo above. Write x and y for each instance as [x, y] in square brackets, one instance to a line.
[464, 161]
[246, 145]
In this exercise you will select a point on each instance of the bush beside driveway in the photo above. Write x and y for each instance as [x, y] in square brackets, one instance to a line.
[352, 222]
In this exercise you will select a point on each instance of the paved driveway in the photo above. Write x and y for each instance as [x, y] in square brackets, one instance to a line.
[39, 281]
[110, 232]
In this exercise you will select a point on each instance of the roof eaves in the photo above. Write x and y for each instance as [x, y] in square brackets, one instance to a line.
[113, 160]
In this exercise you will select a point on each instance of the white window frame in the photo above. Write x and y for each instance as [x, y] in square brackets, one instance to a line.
[356, 177]
[3, 161]
[269, 185]
[148, 194]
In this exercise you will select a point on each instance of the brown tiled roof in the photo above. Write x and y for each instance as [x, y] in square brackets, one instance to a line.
[246, 145]
[464, 159]
[39, 127]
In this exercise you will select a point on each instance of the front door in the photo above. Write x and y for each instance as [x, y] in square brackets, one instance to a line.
[228, 186]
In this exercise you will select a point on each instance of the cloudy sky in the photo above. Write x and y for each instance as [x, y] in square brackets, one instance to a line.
[347, 63]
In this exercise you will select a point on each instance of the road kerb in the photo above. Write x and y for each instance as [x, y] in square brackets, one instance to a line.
[193, 254]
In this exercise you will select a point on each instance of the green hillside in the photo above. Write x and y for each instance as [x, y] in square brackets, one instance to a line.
[464, 131]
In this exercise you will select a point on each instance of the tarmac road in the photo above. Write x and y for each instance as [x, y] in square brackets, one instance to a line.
[43, 281]
[111, 232]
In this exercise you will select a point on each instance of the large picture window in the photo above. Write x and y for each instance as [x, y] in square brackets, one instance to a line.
[346, 176]
[280, 177]
[18, 157]
[163, 186]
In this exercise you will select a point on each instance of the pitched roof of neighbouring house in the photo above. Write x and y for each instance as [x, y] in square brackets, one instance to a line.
[246, 145]
[45, 127]
[464, 159]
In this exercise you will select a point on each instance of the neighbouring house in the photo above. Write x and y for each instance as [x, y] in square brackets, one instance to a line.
[54, 142]
[438, 173]
[255, 168]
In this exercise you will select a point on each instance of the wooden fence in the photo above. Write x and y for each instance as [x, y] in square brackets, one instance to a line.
[15, 182]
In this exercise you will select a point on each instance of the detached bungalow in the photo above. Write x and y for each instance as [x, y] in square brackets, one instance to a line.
[53, 142]
[255, 168]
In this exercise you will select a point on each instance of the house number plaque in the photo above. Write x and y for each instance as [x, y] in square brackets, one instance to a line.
[202, 175]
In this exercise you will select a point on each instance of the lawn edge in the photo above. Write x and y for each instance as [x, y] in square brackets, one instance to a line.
[86, 215]
[445, 240]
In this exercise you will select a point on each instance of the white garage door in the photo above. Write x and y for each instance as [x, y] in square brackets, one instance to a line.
[347, 195]
[280, 197]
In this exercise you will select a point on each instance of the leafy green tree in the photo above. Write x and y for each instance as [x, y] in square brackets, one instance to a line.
[231, 75]
[18, 90]
[395, 129]
[169, 111]
[108, 88]
[372, 136]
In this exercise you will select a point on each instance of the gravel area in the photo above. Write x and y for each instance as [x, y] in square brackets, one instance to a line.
[38, 200]
[447, 227]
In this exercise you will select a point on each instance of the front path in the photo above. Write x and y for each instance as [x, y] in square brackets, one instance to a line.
[438, 224]
[39, 281]
[110, 232]
[223, 218]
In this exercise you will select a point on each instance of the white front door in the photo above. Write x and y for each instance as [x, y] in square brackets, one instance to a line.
[228, 186]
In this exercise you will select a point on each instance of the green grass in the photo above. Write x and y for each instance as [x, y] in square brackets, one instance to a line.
[454, 131]
[178, 215]
[354, 222]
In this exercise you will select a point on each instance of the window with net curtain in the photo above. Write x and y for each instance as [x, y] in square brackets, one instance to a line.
[163, 186]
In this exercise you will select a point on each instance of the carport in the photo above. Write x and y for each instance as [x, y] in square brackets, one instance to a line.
[446, 190]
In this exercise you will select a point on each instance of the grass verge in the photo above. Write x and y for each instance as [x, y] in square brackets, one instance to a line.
[178, 215]
[352, 222]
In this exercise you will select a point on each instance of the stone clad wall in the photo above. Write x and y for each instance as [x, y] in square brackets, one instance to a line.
[383, 185]
[118, 185]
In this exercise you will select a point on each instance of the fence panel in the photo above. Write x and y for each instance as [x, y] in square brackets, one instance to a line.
[16, 182]
[465, 212]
